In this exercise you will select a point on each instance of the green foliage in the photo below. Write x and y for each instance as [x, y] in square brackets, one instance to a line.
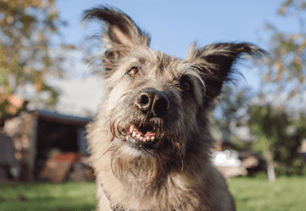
[26, 31]
[230, 110]
[280, 136]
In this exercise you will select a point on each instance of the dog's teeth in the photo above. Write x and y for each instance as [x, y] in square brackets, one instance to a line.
[152, 138]
[138, 136]
[148, 139]
[132, 128]
[134, 134]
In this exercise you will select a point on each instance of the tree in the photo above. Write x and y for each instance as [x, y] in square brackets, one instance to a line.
[286, 66]
[231, 109]
[27, 52]
[279, 138]
[283, 82]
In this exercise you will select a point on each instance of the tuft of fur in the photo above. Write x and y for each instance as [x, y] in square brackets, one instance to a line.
[169, 98]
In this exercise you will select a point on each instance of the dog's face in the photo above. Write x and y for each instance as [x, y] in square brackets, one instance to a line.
[156, 105]
[157, 98]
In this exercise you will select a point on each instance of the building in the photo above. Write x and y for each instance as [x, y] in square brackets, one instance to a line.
[38, 134]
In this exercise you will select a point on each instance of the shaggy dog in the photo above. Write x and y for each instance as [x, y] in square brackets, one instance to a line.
[150, 144]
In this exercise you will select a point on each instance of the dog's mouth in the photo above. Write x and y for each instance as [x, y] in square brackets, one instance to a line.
[142, 135]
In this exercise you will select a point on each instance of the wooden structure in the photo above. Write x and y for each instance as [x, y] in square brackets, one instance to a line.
[37, 133]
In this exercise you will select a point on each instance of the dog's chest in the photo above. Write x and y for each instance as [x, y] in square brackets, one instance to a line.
[115, 206]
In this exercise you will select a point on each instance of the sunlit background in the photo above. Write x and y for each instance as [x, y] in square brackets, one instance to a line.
[48, 93]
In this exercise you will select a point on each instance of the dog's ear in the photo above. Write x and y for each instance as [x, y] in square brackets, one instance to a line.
[214, 62]
[121, 34]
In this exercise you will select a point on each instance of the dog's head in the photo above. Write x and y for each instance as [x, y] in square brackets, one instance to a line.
[156, 105]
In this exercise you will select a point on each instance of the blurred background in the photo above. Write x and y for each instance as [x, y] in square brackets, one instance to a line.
[48, 93]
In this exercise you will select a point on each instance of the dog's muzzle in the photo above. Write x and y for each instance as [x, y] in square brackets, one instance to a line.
[154, 105]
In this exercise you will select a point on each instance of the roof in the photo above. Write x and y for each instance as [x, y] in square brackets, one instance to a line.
[61, 118]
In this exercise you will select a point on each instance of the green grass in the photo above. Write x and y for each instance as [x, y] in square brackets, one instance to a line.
[47, 196]
[257, 194]
[251, 194]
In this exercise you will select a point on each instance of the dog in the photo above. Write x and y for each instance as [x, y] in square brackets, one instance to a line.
[150, 144]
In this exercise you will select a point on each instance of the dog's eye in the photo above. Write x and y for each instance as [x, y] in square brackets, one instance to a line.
[133, 72]
[185, 85]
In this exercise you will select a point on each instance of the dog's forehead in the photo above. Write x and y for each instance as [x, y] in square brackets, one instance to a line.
[162, 65]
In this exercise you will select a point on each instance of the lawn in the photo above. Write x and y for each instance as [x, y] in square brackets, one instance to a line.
[257, 194]
[251, 194]
[48, 196]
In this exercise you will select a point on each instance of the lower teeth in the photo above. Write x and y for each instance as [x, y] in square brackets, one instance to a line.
[143, 139]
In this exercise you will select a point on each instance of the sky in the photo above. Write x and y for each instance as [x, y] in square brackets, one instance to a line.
[174, 25]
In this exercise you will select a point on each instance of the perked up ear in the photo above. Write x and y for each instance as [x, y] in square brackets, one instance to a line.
[121, 34]
[214, 62]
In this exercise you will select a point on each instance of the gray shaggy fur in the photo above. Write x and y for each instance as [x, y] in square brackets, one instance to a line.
[150, 144]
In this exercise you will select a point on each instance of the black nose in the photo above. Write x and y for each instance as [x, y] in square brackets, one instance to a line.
[153, 101]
